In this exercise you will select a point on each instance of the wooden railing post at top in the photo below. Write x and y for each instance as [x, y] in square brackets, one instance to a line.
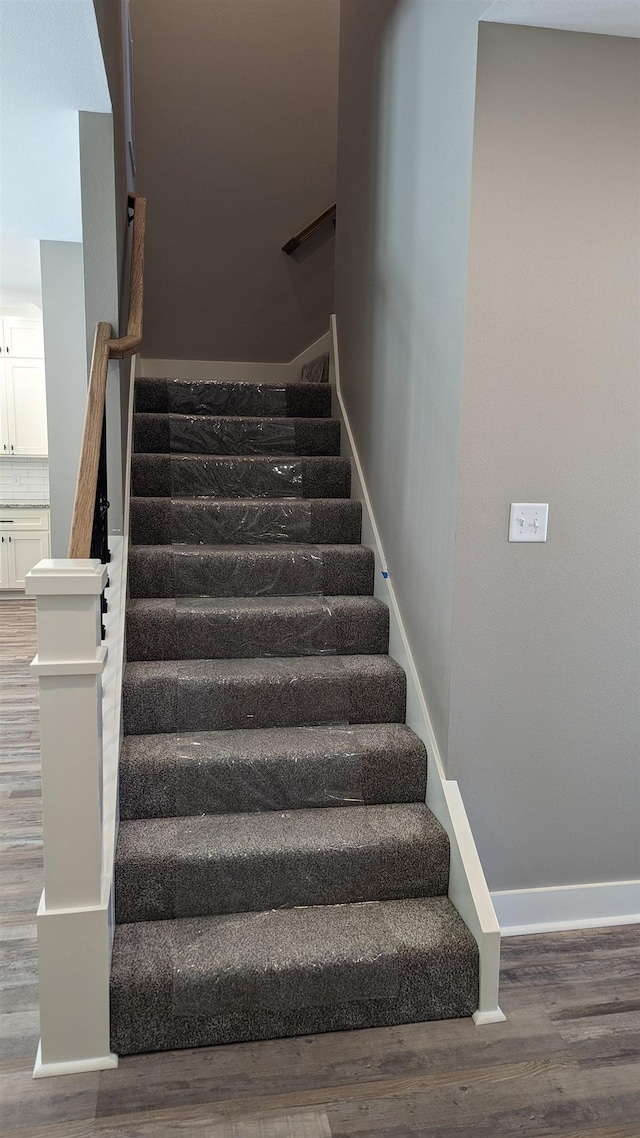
[73, 913]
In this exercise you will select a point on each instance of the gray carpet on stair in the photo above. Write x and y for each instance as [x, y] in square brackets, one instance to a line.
[273, 768]
[226, 979]
[260, 570]
[236, 863]
[316, 370]
[233, 627]
[208, 397]
[244, 521]
[216, 695]
[234, 435]
[239, 476]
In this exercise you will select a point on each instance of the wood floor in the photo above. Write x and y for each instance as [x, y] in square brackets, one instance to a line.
[565, 1062]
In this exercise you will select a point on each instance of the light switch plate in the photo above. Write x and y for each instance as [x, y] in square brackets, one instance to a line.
[528, 521]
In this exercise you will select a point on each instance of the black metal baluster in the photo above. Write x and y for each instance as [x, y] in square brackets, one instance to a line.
[100, 533]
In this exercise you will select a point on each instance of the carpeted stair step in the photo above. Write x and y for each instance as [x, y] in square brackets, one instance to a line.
[250, 570]
[229, 979]
[239, 476]
[273, 768]
[168, 868]
[218, 695]
[161, 433]
[244, 521]
[232, 627]
[214, 397]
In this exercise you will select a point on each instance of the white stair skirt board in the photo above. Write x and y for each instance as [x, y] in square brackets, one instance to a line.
[233, 371]
[561, 908]
[468, 890]
[74, 943]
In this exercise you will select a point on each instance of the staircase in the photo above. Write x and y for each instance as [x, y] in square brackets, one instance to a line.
[277, 871]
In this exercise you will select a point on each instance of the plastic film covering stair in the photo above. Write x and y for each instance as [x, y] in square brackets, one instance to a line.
[295, 775]
[241, 572]
[197, 434]
[216, 521]
[198, 398]
[277, 870]
[229, 478]
[363, 980]
[281, 627]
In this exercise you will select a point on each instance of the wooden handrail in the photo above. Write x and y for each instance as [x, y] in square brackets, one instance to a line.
[131, 343]
[85, 500]
[106, 348]
[308, 231]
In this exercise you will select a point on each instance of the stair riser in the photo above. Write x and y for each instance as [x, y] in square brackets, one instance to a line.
[182, 633]
[162, 785]
[163, 475]
[144, 1017]
[230, 979]
[206, 434]
[172, 886]
[183, 397]
[159, 521]
[182, 701]
[166, 572]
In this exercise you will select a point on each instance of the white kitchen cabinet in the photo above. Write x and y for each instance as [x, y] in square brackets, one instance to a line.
[25, 551]
[23, 406]
[24, 540]
[4, 562]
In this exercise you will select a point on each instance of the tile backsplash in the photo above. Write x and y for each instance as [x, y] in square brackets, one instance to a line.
[24, 480]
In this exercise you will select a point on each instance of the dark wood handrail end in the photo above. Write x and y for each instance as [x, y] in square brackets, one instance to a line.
[291, 246]
[318, 223]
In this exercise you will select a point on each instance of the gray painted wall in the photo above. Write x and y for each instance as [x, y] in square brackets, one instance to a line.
[405, 135]
[545, 691]
[235, 110]
[111, 18]
[62, 270]
[100, 256]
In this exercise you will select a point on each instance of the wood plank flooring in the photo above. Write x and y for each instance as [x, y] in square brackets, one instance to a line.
[564, 1063]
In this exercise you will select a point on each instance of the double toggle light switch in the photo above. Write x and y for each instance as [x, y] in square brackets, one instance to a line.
[528, 521]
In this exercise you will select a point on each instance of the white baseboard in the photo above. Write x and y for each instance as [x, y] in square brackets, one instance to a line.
[561, 908]
[73, 1066]
[468, 890]
[235, 371]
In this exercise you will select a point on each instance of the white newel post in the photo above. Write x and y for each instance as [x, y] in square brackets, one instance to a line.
[73, 926]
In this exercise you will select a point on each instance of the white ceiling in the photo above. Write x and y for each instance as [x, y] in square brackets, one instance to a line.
[603, 17]
[51, 67]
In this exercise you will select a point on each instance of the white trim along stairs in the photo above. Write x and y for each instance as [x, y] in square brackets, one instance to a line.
[468, 889]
